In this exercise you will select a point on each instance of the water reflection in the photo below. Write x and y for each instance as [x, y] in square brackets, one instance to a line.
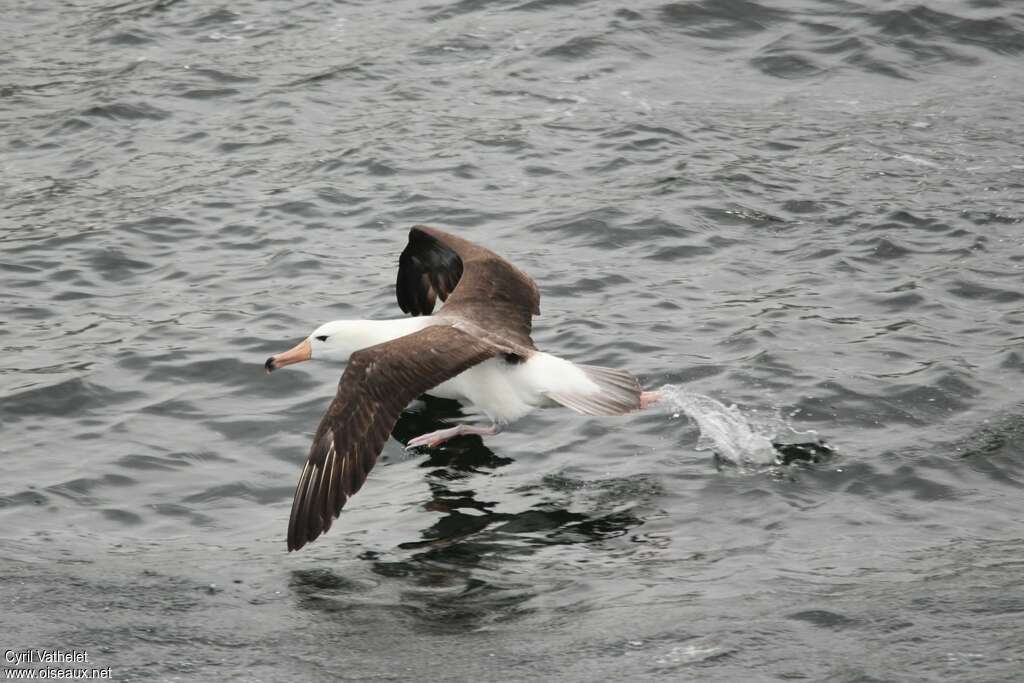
[465, 515]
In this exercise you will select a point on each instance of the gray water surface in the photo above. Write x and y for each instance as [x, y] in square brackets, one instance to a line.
[808, 208]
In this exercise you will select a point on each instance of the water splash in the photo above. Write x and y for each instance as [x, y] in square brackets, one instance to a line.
[739, 438]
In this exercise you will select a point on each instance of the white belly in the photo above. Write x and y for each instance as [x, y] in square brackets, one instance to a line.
[506, 392]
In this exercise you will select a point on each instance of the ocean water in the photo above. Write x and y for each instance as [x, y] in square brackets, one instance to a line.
[808, 212]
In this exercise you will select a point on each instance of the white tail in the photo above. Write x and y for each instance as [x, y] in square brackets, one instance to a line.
[618, 392]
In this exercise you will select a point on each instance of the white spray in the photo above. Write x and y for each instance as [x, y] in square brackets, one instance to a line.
[729, 433]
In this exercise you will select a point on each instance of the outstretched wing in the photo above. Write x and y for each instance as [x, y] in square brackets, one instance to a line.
[475, 283]
[377, 385]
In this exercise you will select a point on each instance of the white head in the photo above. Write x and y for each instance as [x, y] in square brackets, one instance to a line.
[336, 340]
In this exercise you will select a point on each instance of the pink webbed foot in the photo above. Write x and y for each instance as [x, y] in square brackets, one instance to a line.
[648, 398]
[432, 439]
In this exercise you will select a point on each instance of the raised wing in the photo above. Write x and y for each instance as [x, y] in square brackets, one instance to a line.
[377, 385]
[475, 283]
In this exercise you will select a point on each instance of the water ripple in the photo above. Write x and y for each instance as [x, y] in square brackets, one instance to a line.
[809, 209]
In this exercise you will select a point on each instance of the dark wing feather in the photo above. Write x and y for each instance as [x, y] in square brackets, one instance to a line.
[475, 283]
[428, 269]
[377, 385]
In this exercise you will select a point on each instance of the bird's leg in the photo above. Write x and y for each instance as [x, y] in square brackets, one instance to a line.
[437, 438]
[648, 397]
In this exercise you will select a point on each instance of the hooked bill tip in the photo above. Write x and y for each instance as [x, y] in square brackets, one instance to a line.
[269, 365]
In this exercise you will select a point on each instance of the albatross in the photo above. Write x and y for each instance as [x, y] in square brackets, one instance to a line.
[476, 349]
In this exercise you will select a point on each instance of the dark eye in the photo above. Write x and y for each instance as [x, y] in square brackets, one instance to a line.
[322, 337]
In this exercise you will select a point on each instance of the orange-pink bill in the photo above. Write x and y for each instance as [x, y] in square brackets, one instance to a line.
[302, 351]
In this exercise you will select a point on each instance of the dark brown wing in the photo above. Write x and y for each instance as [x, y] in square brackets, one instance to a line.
[377, 385]
[476, 284]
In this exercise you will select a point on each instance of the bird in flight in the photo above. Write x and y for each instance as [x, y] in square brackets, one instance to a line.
[476, 349]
